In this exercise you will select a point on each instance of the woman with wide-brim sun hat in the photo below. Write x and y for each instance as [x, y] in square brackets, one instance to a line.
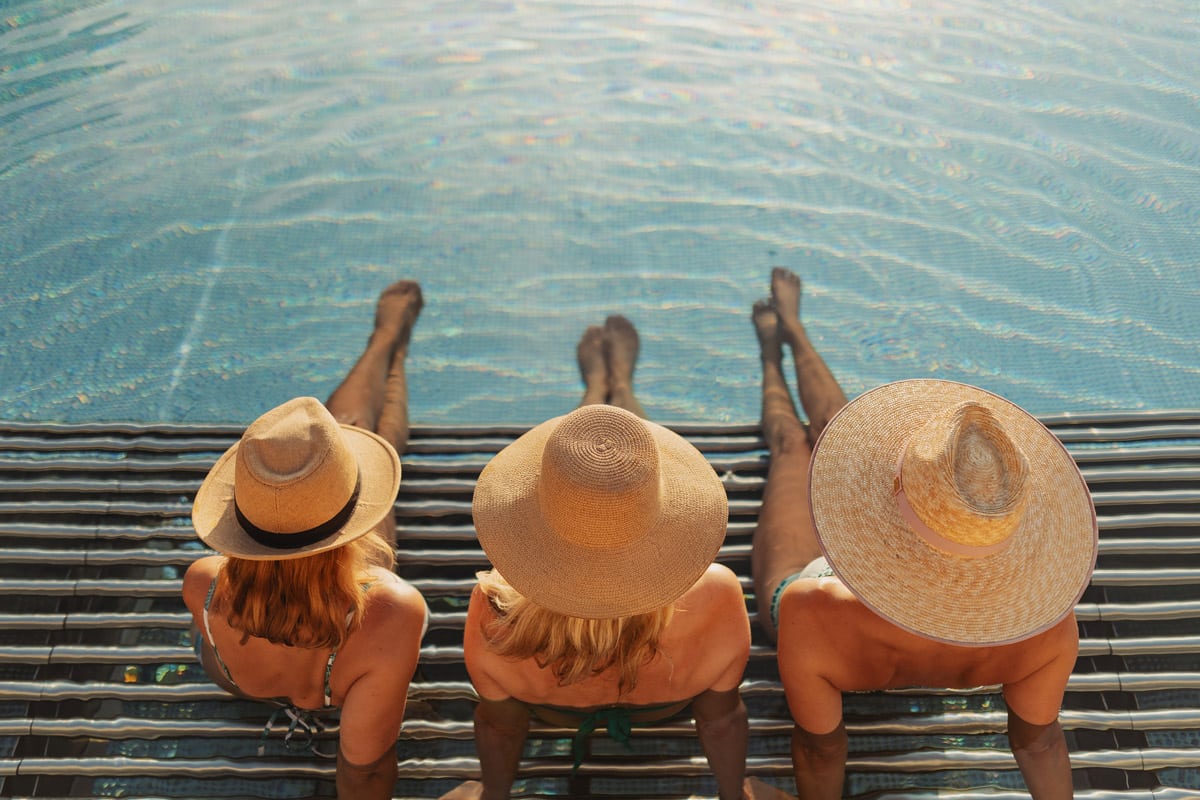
[927, 533]
[300, 608]
[604, 608]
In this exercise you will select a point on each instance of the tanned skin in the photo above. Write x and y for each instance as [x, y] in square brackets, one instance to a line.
[701, 657]
[825, 634]
[374, 667]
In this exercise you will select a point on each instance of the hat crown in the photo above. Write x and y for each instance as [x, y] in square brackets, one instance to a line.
[294, 470]
[599, 484]
[965, 479]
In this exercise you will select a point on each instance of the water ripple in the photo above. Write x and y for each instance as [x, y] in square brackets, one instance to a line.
[1001, 194]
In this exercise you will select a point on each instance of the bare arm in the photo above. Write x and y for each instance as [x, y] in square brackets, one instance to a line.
[1034, 733]
[724, 730]
[1041, 753]
[501, 727]
[374, 781]
[373, 705]
[805, 662]
[819, 762]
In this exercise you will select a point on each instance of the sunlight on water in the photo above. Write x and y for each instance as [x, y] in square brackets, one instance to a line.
[201, 202]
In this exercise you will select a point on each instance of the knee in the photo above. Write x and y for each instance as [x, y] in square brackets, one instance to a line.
[790, 441]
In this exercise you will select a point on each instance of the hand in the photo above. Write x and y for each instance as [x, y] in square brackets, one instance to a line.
[470, 790]
[754, 789]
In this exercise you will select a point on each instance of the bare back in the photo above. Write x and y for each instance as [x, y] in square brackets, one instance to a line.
[706, 646]
[370, 675]
[830, 643]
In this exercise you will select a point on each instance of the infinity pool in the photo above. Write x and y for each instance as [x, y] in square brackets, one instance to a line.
[201, 201]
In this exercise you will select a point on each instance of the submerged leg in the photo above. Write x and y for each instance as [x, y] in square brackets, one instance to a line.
[620, 352]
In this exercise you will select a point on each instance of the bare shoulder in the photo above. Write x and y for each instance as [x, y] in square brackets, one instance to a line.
[1057, 644]
[479, 615]
[816, 616]
[198, 577]
[1037, 677]
[718, 584]
[489, 673]
[394, 603]
[714, 609]
[818, 599]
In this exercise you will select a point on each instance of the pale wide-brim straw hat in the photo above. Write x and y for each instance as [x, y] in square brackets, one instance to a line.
[952, 513]
[600, 514]
[297, 483]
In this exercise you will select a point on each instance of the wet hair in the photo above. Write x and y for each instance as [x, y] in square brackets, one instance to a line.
[574, 648]
[315, 601]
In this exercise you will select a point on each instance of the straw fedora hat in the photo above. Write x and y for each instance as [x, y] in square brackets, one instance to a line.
[600, 514]
[297, 483]
[952, 513]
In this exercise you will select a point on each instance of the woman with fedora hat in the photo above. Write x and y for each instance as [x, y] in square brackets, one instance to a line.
[928, 533]
[301, 607]
[604, 608]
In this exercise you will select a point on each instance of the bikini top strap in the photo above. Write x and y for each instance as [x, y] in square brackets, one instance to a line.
[328, 672]
[333, 653]
[212, 587]
[208, 631]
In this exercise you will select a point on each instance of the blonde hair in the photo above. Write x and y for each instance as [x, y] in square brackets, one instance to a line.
[316, 601]
[573, 647]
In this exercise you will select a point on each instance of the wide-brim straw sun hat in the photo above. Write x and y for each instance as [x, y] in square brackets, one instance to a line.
[600, 514]
[296, 483]
[952, 513]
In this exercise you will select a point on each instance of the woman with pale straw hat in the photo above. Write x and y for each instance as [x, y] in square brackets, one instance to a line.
[928, 533]
[604, 609]
[301, 608]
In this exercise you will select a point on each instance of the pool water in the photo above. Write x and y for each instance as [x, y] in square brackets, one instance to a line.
[201, 201]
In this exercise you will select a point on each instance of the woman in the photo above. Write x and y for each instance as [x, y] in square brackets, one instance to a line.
[301, 607]
[604, 607]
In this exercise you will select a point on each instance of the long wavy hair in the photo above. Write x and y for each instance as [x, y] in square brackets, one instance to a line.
[572, 647]
[316, 601]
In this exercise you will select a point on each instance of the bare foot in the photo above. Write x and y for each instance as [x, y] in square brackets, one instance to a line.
[755, 789]
[367, 391]
[397, 310]
[592, 365]
[766, 325]
[621, 347]
[785, 293]
[374, 393]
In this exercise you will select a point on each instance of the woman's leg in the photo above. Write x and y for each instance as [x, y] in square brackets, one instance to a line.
[592, 366]
[785, 540]
[374, 394]
[820, 394]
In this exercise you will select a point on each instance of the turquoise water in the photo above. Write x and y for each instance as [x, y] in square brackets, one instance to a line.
[201, 201]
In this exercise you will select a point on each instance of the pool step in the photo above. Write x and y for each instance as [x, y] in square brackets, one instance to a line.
[100, 694]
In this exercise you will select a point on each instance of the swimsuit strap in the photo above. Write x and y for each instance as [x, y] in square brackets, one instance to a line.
[208, 632]
[365, 587]
[328, 672]
[213, 644]
[301, 720]
[617, 720]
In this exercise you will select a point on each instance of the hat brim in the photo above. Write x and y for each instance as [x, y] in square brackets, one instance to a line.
[1007, 596]
[215, 520]
[572, 579]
